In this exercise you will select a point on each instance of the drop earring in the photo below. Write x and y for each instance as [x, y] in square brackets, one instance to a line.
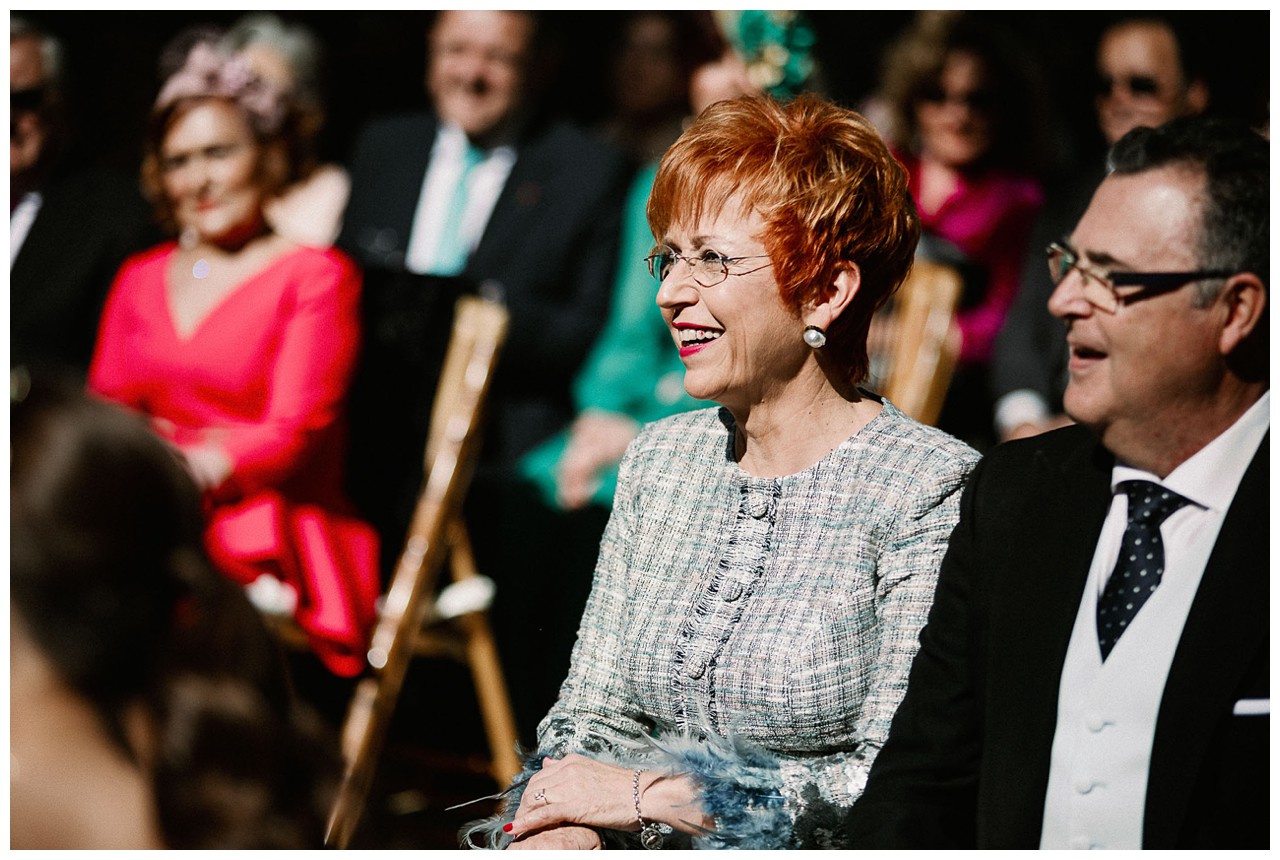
[815, 337]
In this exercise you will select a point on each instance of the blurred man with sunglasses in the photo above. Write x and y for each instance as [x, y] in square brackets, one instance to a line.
[69, 230]
[1095, 671]
[1144, 77]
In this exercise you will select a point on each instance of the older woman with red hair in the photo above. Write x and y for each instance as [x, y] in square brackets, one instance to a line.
[769, 563]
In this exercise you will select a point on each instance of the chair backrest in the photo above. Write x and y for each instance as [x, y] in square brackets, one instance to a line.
[479, 330]
[921, 360]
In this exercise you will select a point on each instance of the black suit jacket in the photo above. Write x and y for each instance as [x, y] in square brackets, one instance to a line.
[967, 760]
[548, 251]
[86, 227]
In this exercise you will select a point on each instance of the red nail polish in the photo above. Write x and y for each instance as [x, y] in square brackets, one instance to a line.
[506, 828]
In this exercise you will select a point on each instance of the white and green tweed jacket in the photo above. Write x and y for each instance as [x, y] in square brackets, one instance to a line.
[757, 633]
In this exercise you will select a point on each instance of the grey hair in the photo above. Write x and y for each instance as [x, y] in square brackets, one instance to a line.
[51, 51]
[298, 45]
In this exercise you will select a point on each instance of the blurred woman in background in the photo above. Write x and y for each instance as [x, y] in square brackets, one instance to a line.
[966, 122]
[239, 344]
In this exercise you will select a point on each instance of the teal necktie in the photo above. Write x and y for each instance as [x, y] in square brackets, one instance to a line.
[452, 250]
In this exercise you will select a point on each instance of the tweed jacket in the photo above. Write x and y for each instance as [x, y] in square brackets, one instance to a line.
[757, 633]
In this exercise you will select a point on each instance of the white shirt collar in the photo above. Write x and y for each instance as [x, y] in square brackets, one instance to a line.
[1210, 476]
[20, 221]
[453, 137]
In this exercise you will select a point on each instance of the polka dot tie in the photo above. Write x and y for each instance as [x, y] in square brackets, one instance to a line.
[1141, 562]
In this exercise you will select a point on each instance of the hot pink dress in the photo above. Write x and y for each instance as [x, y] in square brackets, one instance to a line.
[988, 217]
[264, 375]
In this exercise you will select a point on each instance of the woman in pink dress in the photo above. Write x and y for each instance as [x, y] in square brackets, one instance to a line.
[239, 345]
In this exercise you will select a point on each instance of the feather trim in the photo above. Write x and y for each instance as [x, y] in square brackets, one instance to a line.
[487, 833]
[740, 786]
[739, 783]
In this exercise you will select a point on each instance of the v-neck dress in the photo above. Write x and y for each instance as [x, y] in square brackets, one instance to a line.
[264, 376]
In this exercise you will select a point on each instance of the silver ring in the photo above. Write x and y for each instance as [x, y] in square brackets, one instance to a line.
[540, 794]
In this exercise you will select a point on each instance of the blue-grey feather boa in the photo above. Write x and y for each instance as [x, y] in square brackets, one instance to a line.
[739, 788]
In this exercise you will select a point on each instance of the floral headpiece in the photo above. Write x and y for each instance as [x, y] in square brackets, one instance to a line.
[208, 72]
[776, 46]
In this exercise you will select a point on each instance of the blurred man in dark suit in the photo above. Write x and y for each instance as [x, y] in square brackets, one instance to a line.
[483, 193]
[68, 231]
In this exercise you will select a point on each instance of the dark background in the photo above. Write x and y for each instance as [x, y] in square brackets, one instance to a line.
[375, 61]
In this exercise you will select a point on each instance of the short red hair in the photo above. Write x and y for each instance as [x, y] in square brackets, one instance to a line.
[827, 188]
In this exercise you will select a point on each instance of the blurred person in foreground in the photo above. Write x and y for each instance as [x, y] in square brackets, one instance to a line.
[239, 344]
[1145, 77]
[69, 229]
[147, 708]
[768, 562]
[1095, 670]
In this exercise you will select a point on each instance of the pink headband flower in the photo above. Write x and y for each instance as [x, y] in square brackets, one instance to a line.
[207, 72]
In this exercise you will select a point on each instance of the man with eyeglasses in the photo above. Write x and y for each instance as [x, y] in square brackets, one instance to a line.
[69, 230]
[1145, 76]
[1095, 670]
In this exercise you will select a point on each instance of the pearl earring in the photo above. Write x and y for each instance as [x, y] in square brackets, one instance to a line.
[815, 337]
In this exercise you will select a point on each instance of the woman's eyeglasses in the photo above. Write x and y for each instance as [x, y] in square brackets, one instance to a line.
[1101, 288]
[708, 269]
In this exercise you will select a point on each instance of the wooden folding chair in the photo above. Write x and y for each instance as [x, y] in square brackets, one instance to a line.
[916, 368]
[404, 628]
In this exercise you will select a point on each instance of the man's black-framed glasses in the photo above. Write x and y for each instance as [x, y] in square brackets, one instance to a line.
[708, 269]
[1109, 290]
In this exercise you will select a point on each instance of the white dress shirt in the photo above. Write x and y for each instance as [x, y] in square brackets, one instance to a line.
[444, 170]
[1107, 711]
[20, 221]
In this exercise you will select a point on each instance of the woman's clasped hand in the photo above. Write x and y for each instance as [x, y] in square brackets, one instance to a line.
[569, 797]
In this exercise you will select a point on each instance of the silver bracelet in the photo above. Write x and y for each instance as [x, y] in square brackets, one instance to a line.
[650, 832]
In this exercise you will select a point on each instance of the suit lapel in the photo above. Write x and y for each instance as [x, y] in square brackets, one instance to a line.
[1227, 625]
[405, 188]
[514, 210]
[1064, 540]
